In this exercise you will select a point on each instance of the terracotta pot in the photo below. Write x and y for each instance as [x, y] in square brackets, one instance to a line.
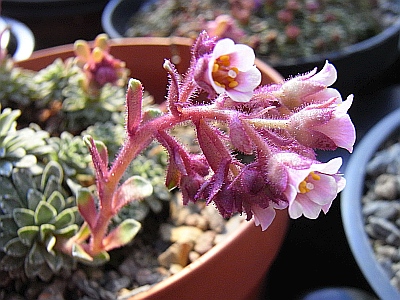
[235, 268]
[352, 207]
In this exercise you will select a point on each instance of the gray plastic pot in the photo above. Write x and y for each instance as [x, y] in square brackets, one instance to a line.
[351, 206]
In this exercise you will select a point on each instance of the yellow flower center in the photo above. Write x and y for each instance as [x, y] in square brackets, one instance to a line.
[306, 185]
[223, 74]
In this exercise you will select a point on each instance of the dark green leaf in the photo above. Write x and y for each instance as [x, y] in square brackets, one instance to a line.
[44, 213]
[15, 248]
[24, 217]
[28, 234]
[67, 231]
[45, 230]
[34, 197]
[56, 200]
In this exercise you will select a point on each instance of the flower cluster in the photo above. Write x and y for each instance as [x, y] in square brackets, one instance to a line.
[258, 144]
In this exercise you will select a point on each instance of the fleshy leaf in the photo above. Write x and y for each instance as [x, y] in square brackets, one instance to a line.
[15, 248]
[54, 262]
[6, 168]
[121, 235]
[8, 224]
[26, 161]
[65, 218]
[50, 242]
[134, 188]
[52, 169]
[134, 98]
[45, 230]
[103, 151]
[24, 217]
[27, 234]
[67, 231]
[87, 206]
[151, 113]
[44, 213]
[34, 197]
[35, 256]
[79, 253]
[56, 200]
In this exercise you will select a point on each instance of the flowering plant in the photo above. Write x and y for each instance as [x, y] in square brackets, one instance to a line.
[280, 125]
[276, 128]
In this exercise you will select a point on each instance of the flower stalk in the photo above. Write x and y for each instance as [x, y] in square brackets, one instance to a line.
[280, 126]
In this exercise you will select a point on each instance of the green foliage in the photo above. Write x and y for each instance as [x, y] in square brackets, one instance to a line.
[36, 216]
[112, 134]
[150, 165]
[19, 148]
[74, 157]
[52, 80]
[17, 88]
[83, 109]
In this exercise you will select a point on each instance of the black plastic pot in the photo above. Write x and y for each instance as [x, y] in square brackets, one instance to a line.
[351, 206]
[357, 64]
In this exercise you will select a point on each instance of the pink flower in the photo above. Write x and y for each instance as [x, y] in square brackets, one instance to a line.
[99, 65]
[313, 188]
[324, 126]
[224, 26]
[309, 88]
[231, 69]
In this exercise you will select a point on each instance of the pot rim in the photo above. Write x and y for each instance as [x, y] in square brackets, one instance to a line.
[351, 206]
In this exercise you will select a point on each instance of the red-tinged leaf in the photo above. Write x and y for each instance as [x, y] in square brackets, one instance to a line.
[87, 206]
[99, 163]
[134, 98]
[134, 188]
[103, 152]
[173, 176]
[210, 141]
[79, 253]
[121, 235]
[173, 91]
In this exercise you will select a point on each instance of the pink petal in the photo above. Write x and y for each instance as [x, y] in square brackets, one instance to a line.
[327, 75]
[263, 216]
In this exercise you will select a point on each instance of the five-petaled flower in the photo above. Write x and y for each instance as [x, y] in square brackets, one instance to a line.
[231, 69]
[313, 188]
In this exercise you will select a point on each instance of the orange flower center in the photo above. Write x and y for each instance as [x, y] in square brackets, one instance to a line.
[306, 185]
[223, 74]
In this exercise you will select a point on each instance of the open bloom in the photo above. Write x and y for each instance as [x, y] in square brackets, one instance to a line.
[313, 188]
[231, 69]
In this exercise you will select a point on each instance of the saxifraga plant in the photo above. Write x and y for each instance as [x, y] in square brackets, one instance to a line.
[36, 215]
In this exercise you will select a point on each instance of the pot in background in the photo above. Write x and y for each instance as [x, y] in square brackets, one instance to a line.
[351, 205]
[357, 65]
[236, 267]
